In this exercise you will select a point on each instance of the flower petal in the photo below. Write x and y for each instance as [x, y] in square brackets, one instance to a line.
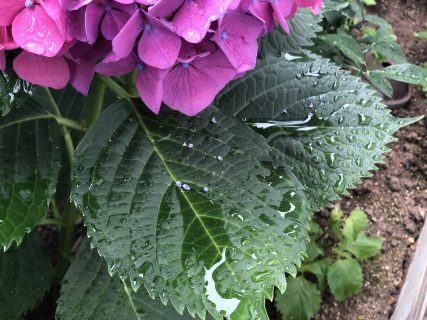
[149, 84]
[284, 9]
[117, 68]
[112, 23]
[237, 37]
[36, 32]
[93, 17]
[55, 11]
[9, 10]
[158, 46]
[6, 40]
[76, 24]
[193, 19]
[264, 12]
[164, 8]
[216, 66]
[124, 42]
[81, 75]
[74, 4]
[2, 61]
[50, 72]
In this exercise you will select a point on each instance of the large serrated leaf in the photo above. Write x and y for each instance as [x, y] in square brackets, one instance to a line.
[29, 165]
[140, 181]
[303, 28]
[13, 91]
[25, 276]
[89, 292]
[328, 126]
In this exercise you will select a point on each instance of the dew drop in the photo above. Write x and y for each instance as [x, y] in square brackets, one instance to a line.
[186, 187]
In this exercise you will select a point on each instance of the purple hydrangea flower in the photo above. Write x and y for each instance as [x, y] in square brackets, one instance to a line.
[182, 51]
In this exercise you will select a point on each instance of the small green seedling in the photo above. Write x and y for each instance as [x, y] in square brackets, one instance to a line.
[370, 2]
[364, 44]
[421, 35]
[339, 271]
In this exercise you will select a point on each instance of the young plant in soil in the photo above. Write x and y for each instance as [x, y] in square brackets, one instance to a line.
[339, 270]
[194, 159]
[366, 45]
[423, 35]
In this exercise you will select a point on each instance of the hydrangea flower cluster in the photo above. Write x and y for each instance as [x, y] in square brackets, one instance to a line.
[182, 51]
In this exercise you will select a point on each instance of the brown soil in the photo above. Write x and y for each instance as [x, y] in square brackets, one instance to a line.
[396, 197]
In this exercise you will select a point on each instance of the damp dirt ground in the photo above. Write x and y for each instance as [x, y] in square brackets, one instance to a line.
[395, 198]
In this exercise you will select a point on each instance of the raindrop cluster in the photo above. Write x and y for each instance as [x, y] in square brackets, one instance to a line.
[182, 52]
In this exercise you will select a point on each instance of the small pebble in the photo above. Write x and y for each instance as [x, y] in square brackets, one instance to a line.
[186, 187]
[178, 184]
[411, 240]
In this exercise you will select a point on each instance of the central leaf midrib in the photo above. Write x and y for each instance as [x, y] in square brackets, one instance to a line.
[174, 179]
[222, 177]
[128, 294]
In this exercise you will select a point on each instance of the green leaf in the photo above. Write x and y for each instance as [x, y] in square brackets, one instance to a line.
[370, 2]
[364, 247]
[221, 250]
[385, 30]
[25, 276]
[379, 81]
[383, 43]
[390, 51]
[421, 35]
[313, 251]
[330, 5]
[301, 300]
[335, 222]
[89, 292]
[314, 230]
[302, 28]
[347, 45]
[357, 222]
[408, 73]
[13, 91]
[29, 165]
[326, 124]
[336, 214]
[345, 278]
[320, 269]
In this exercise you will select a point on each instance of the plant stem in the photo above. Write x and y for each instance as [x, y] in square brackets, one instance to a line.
[96, 101]
[69, 145]
[71, 215]
[48, 221]
[113, 86]
[69, 219]
[69, 123]
[67, 137]
[55, 211]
